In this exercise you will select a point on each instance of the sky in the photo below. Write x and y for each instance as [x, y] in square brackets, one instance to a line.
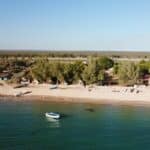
[75, 24]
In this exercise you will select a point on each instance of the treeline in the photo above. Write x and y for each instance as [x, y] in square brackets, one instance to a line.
[74, 54]
[101, 71]
[96, 70]
[88, 72]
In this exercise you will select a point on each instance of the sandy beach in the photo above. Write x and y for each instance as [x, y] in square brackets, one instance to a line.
[78, 93]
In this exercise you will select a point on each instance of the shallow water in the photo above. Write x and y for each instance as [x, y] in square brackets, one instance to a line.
[23, 126]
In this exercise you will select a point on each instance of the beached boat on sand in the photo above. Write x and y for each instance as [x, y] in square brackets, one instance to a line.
[52, 115]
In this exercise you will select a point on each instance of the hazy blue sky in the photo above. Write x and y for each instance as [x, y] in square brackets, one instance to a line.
[75, 24]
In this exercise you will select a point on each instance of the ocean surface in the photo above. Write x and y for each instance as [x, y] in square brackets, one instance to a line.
[23, 126]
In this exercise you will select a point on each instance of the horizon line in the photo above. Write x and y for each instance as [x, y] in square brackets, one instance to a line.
[71, 50]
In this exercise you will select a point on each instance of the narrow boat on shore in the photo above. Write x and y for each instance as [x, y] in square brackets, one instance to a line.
[52, 115]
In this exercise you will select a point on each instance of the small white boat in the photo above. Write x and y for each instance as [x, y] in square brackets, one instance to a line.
[52, 115]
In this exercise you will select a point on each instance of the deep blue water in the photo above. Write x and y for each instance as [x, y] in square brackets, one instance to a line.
[23, 126]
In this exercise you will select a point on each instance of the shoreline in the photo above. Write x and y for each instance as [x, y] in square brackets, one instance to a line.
[55, 99]
[110, 95]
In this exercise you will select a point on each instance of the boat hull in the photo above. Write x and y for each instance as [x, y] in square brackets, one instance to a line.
[52, 115]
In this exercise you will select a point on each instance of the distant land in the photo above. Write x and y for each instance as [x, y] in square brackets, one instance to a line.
[76, 53]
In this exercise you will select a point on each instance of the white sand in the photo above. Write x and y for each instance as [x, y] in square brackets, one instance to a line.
[98, 93]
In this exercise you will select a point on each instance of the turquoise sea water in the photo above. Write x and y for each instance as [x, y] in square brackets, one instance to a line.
[23, 126]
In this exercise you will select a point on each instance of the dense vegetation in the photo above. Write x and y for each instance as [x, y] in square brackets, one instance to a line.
[94, 70]
[88, 72]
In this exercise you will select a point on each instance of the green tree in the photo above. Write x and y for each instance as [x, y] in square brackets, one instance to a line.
[128, 73]
[144, 67]
[105, 62]
[94, 72]
[40, 70]
[89, 72]
[70, 74]
[101, 77]
[56, 70]
[115, 68]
